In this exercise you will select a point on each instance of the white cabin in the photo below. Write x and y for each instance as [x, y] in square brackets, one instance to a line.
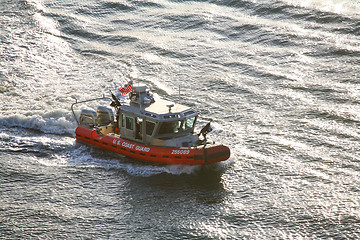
[159, 123]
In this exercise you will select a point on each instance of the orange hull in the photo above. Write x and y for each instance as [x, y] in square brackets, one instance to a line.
[166, 155]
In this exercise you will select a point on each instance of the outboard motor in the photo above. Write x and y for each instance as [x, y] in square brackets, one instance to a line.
[105, 116]
[88, 118]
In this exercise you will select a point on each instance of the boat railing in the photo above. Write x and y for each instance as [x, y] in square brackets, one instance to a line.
[84, 101]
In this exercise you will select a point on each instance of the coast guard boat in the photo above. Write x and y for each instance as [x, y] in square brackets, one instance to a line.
[157, 131]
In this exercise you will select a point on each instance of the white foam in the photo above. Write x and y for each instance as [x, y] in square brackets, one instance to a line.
[82, 156]
[37, 4]
[162, 86]
[348, 7]
[48, 122]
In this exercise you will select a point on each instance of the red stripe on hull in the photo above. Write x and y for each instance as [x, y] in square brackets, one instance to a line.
[166, 155]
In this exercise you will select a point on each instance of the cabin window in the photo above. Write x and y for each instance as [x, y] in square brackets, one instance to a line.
[149, 128]
[139, 122]
[122, 120]
[138, 127]
[169, 127]
[189, 113]
[130, 123]
[189, 123]
[171, 116]
[150, 115]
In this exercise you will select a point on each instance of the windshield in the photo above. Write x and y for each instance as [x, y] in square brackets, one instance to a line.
[169, 127]
[177, 126]
[189, 123]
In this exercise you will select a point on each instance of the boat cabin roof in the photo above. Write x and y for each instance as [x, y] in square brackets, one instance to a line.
[143, 104]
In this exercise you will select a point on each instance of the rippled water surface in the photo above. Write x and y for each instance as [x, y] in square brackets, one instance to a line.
[280, 81]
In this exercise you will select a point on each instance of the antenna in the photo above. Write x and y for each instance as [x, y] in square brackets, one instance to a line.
[170, 106]
[179, 94]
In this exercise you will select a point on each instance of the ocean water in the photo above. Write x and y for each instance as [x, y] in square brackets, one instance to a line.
[279, 79]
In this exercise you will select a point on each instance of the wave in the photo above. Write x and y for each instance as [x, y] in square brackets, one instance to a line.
[347, 7]
[84, 156]
[54, 122]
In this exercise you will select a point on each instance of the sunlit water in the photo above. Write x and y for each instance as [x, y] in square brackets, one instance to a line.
[280, 81]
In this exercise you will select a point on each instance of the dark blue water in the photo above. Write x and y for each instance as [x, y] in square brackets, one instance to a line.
[278, 79]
